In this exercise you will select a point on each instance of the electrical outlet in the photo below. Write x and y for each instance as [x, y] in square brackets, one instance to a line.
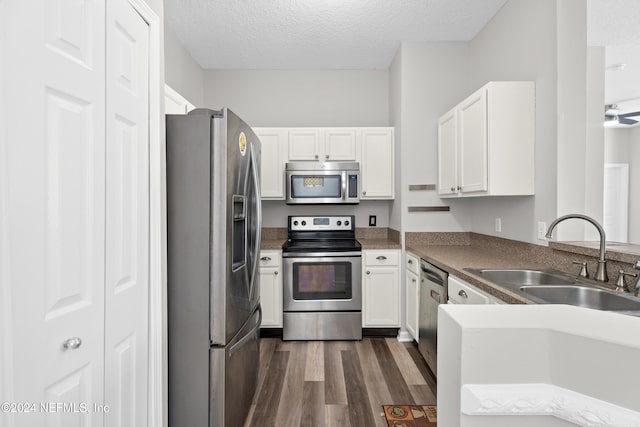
[372, 220]
[542, 230]
[499, 225]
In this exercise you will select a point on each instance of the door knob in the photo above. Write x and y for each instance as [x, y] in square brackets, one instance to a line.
[72, 343]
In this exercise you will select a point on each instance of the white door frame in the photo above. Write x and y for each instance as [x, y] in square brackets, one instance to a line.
[6, 360]
[157, 414]
[623, 210]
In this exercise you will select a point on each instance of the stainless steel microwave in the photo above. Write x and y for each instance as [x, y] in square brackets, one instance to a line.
[323, 183]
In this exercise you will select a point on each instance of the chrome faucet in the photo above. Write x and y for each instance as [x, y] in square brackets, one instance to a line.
[601, 272]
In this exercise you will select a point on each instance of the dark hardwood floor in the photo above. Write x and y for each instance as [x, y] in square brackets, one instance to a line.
[337, 383]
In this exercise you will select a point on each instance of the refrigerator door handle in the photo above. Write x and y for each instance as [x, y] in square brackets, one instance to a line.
[235, 347]
[258, 233]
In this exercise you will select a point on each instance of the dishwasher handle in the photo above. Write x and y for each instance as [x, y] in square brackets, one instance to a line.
[433, 276]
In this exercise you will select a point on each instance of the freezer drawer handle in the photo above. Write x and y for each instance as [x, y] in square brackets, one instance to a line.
[72, 343]
[463, 294]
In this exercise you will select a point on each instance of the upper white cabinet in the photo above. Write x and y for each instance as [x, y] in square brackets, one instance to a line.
[377, 163]
[372, 147]
[174, 103]
[486, 143]
[273, 159]
[322, 144]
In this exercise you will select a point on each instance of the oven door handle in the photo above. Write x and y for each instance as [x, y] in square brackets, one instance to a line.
[321, 254]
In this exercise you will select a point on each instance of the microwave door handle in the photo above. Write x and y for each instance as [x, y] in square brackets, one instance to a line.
[344, 185]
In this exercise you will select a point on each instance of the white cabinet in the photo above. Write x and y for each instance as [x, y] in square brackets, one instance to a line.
[323, 144]
[412, 271]
[377, 163]
[462, 292]
[372, 147]
[274, 143]
[381, 288]
[339, 144]
[486, 143]
[174, 103]
[271, 288]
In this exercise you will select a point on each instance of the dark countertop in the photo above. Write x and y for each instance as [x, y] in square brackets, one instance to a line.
[378, 244]
[455, 258]
[271, 244]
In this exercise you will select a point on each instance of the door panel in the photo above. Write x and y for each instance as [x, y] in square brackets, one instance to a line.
[55, 203]
[473, 143]
[127, 213]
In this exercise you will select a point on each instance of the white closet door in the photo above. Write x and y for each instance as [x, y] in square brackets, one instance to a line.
[127, 216]
[55, 135]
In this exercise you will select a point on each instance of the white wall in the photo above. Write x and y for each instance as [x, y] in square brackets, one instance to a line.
[395, 120]
[434, 77]
[519, 43]
[622, 145]
[305, 98]
[182, 72]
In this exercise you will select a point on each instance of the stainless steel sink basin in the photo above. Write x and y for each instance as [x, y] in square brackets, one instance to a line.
[523, 277]
[584, 297]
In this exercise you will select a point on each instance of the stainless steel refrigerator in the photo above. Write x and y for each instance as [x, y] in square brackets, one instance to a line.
[213, 244]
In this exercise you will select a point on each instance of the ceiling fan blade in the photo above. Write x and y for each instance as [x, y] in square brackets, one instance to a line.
[625, 121]
[637, 113]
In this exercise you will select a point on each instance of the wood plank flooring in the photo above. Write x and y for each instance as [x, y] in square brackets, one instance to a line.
[337, 383]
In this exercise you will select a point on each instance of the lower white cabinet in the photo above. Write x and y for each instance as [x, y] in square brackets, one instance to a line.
[461, 292]
[381, 288]
[271, 288]
[412, 276]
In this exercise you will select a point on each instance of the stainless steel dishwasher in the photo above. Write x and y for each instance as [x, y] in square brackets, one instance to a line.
[433, 292]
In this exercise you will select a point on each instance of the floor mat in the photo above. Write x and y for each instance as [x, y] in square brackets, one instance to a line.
[411, 415]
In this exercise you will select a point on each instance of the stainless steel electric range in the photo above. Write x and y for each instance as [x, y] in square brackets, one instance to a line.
[322, 263]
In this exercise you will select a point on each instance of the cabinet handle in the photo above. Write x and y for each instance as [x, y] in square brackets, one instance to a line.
[381, 258]
[316, 156]
[410, 261]
[368, 272]
[413, 280]
[459, 188]
[364, 193]
[275, 273]
[326, 156]
[453, 188]
[72, 343]
[463, 294]
[265, 258]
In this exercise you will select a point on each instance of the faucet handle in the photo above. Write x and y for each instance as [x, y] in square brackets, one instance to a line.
[621, 286]
[583, 269]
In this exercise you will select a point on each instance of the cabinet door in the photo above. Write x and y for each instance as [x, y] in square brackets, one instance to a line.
[304, 144]
[271, 288]
[448, 154]
[340, 145]
[381, 306]
[461, 292]
[472, 116]
[271, 297]
[274, 155]
[377, 166]
[412, 300]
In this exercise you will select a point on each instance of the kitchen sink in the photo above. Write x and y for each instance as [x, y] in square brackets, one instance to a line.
[517, 278]
[583, 296]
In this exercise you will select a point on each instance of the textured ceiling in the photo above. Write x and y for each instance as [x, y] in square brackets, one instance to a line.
[317, 34]
[365, 34]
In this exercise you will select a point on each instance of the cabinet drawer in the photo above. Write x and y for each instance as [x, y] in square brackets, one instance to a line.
[412, 263]
[270, 259]
[462, 293]
[372, 258]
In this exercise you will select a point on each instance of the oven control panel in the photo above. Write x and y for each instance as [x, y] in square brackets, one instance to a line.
[315, 223]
